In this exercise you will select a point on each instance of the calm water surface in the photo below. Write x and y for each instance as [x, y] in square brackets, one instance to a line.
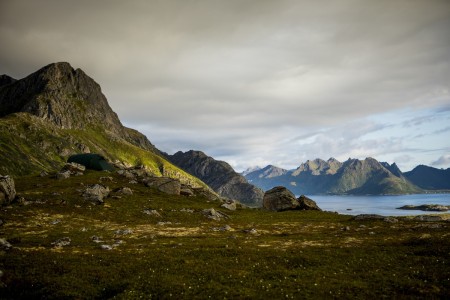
[381, 205]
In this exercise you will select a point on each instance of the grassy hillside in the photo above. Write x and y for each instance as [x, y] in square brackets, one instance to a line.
[183, 254]
[29, 145]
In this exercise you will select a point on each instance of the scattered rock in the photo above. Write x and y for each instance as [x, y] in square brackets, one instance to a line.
[251, 231]
[224, 228]
[43, 174]
[73, 168]
[163, 223]
[125, 191]
[56, 221]
[106, 179]
[7, 190]
[346, 228]
[96, 193]
[429, 218]
[65, 241]
[123, 231]
[187, 210]
[96, 239]
[306, 203]
[4, 244]
[216, 215]
[152, 212]
[164, 184]
[106, 247]
[63, 175]
[230, 205]
[390, 220]
[126, 174]
[279, 199]
[368, 217]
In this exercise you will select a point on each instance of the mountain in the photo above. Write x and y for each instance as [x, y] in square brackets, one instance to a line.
[429, 178]
[219, 175]
[58, 111]
[250, 169]
[333, 177]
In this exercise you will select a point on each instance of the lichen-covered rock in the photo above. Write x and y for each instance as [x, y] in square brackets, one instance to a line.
[280, 198]
[7, 190]
[63, 175]
[164, 184]
[216, 215]
[125, 191]
[96, 193]
[306, 203]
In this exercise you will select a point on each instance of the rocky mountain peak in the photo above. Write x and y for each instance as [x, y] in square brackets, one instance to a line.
[68, 98]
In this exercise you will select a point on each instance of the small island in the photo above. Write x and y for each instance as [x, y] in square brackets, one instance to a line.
[426, 207]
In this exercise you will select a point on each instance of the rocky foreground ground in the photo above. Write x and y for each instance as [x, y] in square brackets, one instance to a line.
[144, 239]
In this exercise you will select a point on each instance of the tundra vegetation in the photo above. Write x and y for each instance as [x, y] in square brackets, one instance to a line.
[142, 242]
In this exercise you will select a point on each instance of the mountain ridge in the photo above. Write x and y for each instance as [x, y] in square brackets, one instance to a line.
[353, 176]
[219, 175]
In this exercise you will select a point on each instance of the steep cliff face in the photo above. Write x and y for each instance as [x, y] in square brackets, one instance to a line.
[219, 175]
[66, 97]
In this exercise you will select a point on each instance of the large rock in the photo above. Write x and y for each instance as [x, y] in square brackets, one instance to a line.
[96, 193]
[7, 190]
[280, 198]
[306, 203]
[164, 184]
[73, 168]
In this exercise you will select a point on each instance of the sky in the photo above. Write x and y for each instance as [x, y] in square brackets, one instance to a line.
[256, 82]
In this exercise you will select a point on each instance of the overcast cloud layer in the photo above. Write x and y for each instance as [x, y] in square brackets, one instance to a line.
[256, 82]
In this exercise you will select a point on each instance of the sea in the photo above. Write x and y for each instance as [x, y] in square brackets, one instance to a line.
[381, 205]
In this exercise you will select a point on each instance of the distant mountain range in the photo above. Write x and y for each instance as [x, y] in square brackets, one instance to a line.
[359, 177]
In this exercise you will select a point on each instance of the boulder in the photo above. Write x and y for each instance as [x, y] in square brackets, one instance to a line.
[63, 175]
[164, 184]
[230, 205]
[96, 193]
[280, 198]
[125, 191]
[186, 191]
[306, 203]
[216, 215]
[7, 190]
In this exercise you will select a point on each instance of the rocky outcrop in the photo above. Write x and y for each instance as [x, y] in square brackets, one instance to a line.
[279, 199]
[7, 190]
[218, 175]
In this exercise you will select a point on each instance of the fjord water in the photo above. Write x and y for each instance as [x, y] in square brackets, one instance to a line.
[381, 205]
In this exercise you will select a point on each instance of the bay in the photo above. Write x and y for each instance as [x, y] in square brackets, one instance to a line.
[381, 205]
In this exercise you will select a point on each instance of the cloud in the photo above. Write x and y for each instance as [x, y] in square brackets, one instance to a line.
[444, 160]
[249, 81]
